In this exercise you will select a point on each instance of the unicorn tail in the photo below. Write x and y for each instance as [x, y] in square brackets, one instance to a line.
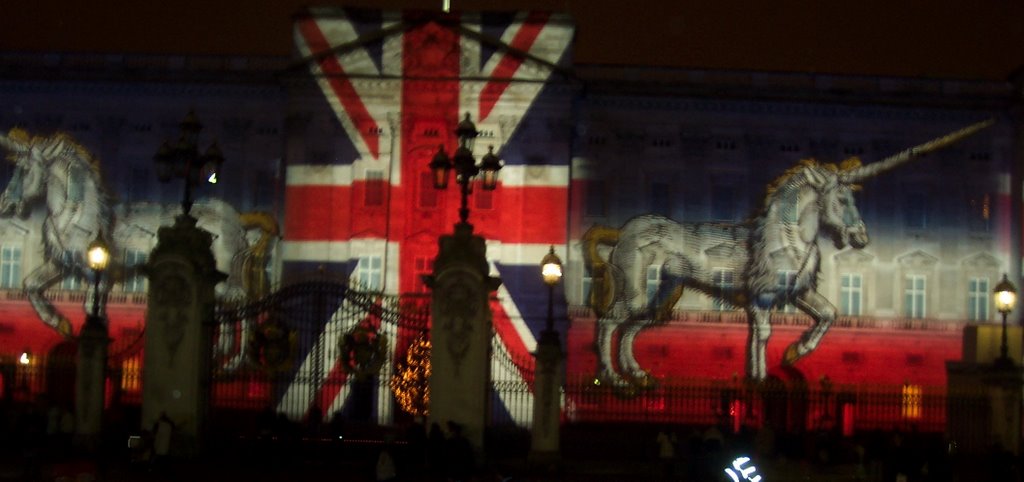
[254, 262]
[602, 288]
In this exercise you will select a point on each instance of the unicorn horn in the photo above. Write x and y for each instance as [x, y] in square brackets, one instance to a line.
[876, 168]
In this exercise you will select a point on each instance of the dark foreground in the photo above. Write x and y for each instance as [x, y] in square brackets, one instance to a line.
[598, 453]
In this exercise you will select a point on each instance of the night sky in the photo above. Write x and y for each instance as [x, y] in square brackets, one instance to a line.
[963, 39]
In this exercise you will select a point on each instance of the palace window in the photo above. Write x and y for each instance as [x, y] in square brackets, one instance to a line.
[911, 406]
[785, 282]
[369, 273]
[483, 199]
[428, 193]
[131, 375]
[980, 212]
[722, 279]
[977, 299]
[653, 281]
[136, 283]
[914, 296]
[10, 267]
[422, 266]
[850, 294]
[374, 195]
[72, 282]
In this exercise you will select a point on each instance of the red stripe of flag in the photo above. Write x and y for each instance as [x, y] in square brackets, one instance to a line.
[317, 213]
[327, 213]
[509, 63]
[343, 89]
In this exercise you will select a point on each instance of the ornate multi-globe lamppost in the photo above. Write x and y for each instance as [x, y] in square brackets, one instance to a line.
[461, 284]
[182, 160]
[465, 165]
[1005, 296]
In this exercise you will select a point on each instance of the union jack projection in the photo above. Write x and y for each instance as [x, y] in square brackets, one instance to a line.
[363, 203]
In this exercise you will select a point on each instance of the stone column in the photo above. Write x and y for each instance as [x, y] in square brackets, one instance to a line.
[179, 330]
[547, 397]
[984, 403]
[90, 383]
[460, 335]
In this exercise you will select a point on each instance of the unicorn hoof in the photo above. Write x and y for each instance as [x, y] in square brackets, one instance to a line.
[64, 328]
[645, 381]
[791, 355]
[627, 391]
[610, 380]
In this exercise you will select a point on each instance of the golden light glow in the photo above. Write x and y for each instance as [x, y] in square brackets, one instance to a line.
[911, 407]
[131, 375]
[98, 255]
[1005, 295]
[551, 268]
[411, 382]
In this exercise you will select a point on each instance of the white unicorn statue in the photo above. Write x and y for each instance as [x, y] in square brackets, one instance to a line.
[65, 178]
[809, 201]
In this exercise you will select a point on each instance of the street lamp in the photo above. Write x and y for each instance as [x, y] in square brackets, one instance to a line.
[91, 366]
[1005, 295]
[182, 160]
[465, 165]
[98, 256]
[551, 270]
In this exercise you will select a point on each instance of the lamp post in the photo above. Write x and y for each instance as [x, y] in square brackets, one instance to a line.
[544, 446]
[1005, 296]
[182, 159]
[465, 166]
[551, 270]
[90, 371]
[98, 256]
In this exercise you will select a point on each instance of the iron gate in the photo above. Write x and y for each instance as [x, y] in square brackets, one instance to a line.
[313, 351]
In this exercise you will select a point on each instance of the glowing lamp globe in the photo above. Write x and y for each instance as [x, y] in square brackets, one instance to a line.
[489, 167]
[1005, 295]
[98, 255]
[551, 268]
[440, 166]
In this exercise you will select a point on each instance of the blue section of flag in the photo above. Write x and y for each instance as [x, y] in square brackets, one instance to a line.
[366, 22]
[530, 295]
[493, 26]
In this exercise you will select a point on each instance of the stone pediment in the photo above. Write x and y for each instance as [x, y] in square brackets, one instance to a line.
[853, 256]
[918, 259]
[980, 261]
[357, 34]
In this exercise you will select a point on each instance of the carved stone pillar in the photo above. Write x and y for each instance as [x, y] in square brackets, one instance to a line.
[90, 383]
[460, 336]
[179, 323]
[984, 406]
[547, 397]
